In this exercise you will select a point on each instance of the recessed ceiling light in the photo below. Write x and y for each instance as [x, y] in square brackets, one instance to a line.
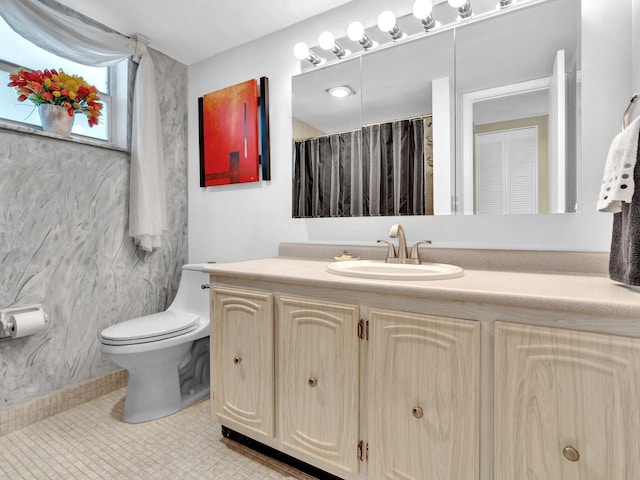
[341, 91]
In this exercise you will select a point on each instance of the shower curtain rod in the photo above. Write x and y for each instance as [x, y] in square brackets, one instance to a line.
[368, 125]
[415, 117]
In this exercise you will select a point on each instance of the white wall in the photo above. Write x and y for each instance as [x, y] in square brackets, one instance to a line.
[236, 222]
[636, 41]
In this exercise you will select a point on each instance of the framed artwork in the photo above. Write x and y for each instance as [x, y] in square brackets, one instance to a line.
[234, 134]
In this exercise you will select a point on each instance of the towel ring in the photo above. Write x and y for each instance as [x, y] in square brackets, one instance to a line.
[627, 113]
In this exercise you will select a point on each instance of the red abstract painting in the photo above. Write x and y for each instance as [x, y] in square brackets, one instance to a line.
[229, 135]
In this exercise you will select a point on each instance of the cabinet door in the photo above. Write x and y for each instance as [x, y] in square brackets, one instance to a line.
[566, 404]
[424, 397]
[318, 391]
[242, 343]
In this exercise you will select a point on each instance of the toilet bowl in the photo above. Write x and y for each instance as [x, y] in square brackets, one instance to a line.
[166, 353]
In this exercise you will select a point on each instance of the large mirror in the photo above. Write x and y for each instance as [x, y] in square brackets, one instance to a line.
[477, 117]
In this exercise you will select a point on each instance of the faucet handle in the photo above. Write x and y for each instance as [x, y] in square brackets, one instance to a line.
[415, 251]
[391, 252]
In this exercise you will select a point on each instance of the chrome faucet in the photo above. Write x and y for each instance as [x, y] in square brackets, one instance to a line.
[397, 232]
[400, 254]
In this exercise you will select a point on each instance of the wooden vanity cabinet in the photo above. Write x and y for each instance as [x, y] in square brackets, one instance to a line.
[411, 410]
[242, 343]
[318, 382]
[567, 404]
[423, 397]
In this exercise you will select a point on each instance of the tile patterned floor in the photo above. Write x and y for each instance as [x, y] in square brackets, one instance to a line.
[91, 441]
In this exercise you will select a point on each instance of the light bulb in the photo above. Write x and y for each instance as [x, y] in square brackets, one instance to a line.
[355, 31]
[386, 21]
[464, 8]
[326, 40]
[422, 9]
[301, 51]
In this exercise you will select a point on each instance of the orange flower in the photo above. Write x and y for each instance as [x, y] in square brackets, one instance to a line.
[35, 86]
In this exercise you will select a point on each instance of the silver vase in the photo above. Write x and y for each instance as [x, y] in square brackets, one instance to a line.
[55, 119]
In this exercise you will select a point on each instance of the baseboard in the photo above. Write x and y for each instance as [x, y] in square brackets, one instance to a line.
[40, 408]
[278, 455]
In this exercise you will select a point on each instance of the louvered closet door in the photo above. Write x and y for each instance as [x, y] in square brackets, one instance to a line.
[490, 173]
[507, 171]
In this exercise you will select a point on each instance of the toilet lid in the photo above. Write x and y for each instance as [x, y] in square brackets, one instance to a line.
[150, 328]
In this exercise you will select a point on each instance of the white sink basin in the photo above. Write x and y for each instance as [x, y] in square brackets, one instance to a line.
[379, 270]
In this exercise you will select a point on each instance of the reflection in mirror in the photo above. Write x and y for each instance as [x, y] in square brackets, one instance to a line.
[315, 111]
[384, 164]
[510, 128]
[413, 82]
[327, 142]
[517, 128]
[504, 140]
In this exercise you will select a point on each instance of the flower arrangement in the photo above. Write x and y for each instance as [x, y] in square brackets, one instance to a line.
[58, 88]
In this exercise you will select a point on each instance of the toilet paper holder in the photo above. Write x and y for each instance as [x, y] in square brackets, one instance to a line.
[6, 324]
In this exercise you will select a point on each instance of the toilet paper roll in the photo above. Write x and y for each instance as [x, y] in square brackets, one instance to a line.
[27, 323]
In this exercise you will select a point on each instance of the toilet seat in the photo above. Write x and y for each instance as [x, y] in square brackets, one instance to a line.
[150, 328]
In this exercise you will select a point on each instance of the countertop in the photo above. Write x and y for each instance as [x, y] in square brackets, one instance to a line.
[588, 294]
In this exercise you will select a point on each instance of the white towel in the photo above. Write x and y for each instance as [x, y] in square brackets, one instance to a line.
[618, 185]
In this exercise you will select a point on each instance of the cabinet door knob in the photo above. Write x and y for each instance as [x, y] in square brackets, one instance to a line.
[417, 412]
[313, 381]
[237, 360]
[570, 453]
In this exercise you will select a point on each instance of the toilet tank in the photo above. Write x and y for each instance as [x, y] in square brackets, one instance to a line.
[191, 297]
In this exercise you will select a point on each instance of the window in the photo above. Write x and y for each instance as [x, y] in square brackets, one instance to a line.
[16, 51]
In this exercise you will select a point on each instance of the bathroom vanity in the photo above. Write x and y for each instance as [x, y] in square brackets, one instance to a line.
[492, 375]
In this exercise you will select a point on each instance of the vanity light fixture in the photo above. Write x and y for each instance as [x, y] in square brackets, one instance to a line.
[356, 33]
[328, 42]
[422, 11]
[341, 91]
[505, 3]
[302, 52]
[463, 6]
[387, 23]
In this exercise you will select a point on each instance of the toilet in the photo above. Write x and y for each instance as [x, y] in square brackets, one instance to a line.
[166, 353]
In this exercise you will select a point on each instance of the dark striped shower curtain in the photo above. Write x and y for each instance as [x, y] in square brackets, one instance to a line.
[381, 169]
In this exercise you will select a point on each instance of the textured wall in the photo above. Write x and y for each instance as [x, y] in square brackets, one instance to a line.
[64, 243]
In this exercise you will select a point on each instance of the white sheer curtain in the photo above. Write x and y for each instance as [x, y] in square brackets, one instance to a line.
[71, 38]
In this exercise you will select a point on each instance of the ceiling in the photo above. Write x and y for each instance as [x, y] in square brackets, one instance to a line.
[192, 30]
